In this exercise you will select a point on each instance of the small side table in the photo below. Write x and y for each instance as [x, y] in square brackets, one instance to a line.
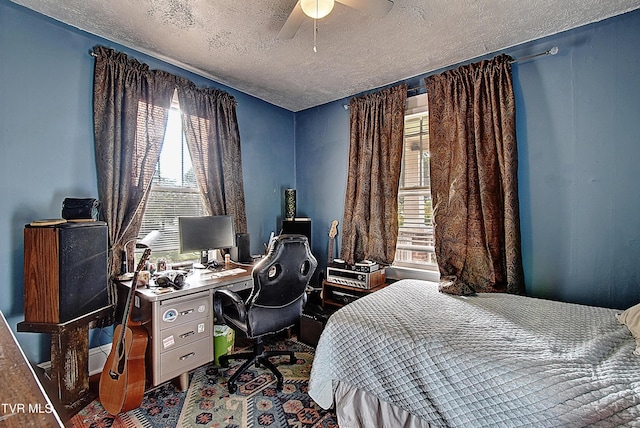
[70, 355]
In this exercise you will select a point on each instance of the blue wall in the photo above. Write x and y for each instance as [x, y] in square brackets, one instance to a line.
[578, 117]
[46, 141]
[322, 150]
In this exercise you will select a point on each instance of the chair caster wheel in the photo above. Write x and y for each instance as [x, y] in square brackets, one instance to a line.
[224, 363]
[232, 388]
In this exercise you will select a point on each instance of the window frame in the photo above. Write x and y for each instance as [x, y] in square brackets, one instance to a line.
[165, 247]
[417, 106]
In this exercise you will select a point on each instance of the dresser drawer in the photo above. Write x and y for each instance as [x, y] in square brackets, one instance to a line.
[182, 334]
[188, 357]
[183, 310]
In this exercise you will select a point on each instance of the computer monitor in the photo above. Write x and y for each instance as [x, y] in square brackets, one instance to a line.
[206, 233]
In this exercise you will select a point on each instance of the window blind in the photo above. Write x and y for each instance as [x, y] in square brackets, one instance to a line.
[174, 191]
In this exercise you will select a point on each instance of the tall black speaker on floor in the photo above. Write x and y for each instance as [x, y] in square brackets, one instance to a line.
[242, 251]
[65, 271]
[298, 226]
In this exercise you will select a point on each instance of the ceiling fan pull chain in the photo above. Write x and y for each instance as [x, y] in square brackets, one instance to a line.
[315, 34]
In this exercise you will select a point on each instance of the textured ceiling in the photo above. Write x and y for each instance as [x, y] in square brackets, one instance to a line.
[235, 41]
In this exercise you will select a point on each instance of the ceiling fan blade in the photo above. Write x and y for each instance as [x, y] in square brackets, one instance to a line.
[293, 22]
[377, 8]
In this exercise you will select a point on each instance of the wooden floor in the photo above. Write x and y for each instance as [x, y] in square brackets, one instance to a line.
[23, 401]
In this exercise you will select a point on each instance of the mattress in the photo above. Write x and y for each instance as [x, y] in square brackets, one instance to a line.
[487, 360]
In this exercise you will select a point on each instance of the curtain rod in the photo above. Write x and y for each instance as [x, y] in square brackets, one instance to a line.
[552, 51]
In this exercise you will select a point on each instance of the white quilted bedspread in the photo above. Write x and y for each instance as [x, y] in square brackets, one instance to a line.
[485, 360]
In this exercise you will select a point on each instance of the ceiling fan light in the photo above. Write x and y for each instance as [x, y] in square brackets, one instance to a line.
[316, 8]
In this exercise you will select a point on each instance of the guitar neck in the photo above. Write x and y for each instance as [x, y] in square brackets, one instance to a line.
[132, 294]
[128, 306]
[127, 310]
[333, 231]
[330, 258]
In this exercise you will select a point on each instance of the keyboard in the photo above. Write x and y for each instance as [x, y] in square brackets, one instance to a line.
[221, 273]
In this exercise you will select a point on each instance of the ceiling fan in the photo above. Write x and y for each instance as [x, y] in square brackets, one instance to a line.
[317, 9]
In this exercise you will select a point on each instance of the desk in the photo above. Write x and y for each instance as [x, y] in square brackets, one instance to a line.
[180, 322]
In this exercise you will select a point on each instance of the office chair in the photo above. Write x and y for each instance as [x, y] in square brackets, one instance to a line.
[275, 303]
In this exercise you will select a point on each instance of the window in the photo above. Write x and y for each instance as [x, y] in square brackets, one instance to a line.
[415, 246]
[174, 191]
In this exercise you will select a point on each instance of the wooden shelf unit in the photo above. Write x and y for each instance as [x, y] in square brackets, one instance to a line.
[69, 373]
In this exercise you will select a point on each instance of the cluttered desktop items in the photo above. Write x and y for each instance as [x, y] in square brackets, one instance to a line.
[210, 237]
[162, 282]
[174, 278]
[202, 235]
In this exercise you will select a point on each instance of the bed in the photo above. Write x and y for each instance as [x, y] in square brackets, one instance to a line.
[409, 355]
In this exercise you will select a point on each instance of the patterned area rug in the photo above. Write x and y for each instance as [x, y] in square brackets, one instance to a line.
[207, 402]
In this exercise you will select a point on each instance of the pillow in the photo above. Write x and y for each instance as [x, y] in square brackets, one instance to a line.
[631, 318]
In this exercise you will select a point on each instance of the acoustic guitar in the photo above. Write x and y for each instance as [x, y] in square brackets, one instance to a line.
[122, 380]
[333, 231]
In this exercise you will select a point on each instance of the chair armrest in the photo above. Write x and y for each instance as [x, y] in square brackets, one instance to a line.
[224, 297]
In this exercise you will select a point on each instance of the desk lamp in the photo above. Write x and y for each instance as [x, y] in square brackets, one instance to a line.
[145, 242]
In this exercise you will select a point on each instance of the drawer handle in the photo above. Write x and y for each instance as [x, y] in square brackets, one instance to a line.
[187, 312]
[187, 334]
[184, 357]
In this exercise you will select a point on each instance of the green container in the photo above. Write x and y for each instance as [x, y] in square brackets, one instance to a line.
[223, 338]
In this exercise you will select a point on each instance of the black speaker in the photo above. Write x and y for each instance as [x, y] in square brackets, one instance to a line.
[65, 271]
[242, 251]
[311, 325]
[298, 226]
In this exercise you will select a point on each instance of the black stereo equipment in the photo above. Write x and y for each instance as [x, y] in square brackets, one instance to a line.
[363, 266]
[343, 298]
[352, 278]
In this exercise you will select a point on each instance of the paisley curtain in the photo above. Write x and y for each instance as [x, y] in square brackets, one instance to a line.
[130, 107]
[474, 184]
[370, 222]
[211, 129]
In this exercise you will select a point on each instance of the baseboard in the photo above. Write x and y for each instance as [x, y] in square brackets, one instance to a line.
[97, 358]
[401, 272]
